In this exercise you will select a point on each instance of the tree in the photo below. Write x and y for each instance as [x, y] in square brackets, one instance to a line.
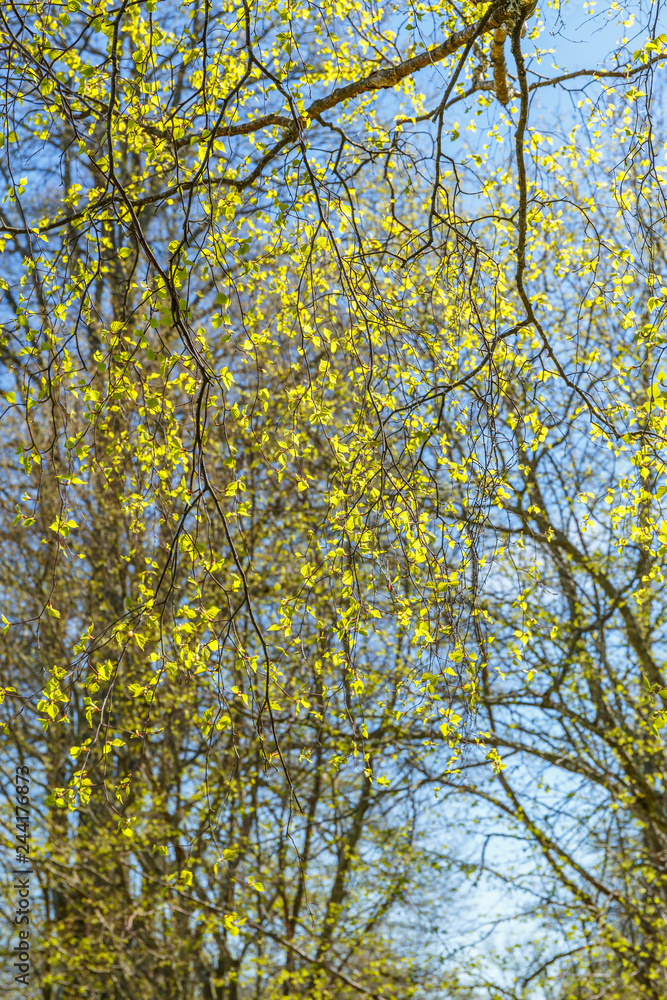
[572, 690]
[272, 358]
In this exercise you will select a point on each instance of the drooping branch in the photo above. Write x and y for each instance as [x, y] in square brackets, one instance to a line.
[499, 65]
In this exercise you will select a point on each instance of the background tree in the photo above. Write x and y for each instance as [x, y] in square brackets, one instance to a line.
[280, 377]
